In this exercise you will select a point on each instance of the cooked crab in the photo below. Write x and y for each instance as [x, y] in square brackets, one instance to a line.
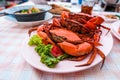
[76, 38]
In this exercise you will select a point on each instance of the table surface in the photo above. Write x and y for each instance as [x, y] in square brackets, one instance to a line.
[14, 67]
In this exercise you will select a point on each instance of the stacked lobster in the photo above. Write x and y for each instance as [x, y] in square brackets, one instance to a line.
[76, 34]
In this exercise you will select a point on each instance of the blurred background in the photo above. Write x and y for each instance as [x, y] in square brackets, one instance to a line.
[9, 3]
[105, 5]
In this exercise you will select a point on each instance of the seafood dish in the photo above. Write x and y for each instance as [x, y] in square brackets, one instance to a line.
[72, 36]
[111, 16]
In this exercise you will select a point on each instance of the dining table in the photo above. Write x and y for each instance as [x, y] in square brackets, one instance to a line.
[13, 66]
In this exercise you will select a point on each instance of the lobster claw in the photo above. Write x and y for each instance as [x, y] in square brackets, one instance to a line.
[56, 22]
[92, 23]
[76, 50]
[97, 20]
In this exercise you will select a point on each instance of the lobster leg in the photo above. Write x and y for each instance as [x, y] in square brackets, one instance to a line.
[90, 60]
[78, 58]
[106, 28]
[96, 37]
[32, 29]
[95, 43]
[102, 55]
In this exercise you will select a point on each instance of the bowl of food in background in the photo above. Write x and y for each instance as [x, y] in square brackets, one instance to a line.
[32, 14]
[110, 17]
[28, 12]
[28, 15]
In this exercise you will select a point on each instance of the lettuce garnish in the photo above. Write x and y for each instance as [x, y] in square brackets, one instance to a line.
[44, 52]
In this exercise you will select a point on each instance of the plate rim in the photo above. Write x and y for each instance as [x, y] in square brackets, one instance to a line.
[115, 33]
[12, 10]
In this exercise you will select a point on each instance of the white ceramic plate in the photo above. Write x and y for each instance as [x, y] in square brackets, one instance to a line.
[115, 26]
[48, 16]
[64, 66]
